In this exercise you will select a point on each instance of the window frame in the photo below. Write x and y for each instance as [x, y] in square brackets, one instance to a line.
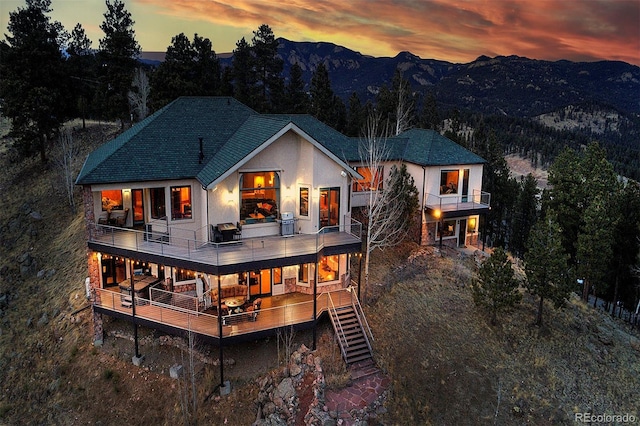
[107, 205]
[158, 205]
[259, 192]
[366, 184]
[181, 213]
[449, 186]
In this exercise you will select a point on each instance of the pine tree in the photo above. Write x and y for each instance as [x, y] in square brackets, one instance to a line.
[243, 74]
[268, 69]
[189, 69]
[33, 87]
[297, 100]
[118, 53]
[626, 235]
[546, 265]
[496, 288]
[82, 68]
[525, 214]
[322, 97]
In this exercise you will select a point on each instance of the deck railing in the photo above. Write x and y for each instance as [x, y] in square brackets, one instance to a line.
[207, 323]
[175, 242]
[477, 199]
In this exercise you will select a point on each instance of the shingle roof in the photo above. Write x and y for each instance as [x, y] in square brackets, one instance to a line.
[166, 144]
[423, 147]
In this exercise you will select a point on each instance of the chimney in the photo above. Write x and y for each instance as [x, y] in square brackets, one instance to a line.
[201, 155]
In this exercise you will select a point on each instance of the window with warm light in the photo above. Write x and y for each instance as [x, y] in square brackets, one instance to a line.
[158, 206]
[181, 202]
[259, 195]
[449, 182]
[370, 179]
[447, 228]
[329, 269]
[303, 273]
[304, 201]
[111, 200]
[185, 275]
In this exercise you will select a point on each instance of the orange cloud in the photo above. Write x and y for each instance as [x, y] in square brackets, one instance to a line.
[452, 30]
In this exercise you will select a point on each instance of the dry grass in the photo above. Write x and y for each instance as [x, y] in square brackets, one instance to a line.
[449, 366]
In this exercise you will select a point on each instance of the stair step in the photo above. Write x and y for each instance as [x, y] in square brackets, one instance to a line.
[359, 358]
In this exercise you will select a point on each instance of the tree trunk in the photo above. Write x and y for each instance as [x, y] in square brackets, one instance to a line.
[43, 149]
[539, 315]
[615, 298]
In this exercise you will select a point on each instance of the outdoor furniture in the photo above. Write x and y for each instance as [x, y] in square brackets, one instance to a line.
[227, 291]
[228, 231]
[216, 235]
[121, 220]
[252, 311]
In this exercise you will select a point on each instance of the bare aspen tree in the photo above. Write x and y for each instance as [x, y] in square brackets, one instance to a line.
[66, 159]
[139, 96]
[404, 108]
[385, 208]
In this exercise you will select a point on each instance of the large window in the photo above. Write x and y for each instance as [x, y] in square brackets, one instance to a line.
[112, 200]
[449, 182]
[329, 269]
[158, 205]
[259, 195]
[180, 202]
[370, 181]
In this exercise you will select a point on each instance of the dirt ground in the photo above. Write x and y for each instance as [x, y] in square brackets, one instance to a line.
[521, 167]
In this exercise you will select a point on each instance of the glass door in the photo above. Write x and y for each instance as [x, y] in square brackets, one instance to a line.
[329, 207]
[465, 185]
[138, 208]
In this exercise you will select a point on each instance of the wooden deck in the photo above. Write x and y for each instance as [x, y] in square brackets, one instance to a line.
[236, 252]
[276, 312]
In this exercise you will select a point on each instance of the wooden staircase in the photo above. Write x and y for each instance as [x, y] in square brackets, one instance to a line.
[351, 334]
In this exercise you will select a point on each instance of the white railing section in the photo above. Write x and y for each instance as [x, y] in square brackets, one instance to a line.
[207, 324]
[179, 301]
[362, 318]
[185, 244]
[477, 199]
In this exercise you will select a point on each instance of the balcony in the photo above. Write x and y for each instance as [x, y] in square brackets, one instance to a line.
[276, 312]
[212, 257]
[448, 206]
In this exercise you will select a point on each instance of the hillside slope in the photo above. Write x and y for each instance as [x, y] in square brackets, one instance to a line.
[448, 366]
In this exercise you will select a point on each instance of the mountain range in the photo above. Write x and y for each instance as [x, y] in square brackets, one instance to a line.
[507, 85]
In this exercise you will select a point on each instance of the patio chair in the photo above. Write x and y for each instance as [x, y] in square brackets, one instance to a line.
[122, 219]
[254, 309]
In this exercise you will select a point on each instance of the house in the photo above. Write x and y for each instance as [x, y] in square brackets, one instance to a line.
[449, 182]
[210, 218]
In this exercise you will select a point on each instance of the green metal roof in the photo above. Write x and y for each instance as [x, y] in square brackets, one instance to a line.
[423, 147]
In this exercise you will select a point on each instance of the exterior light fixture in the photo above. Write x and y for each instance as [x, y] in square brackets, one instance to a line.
[437, 213]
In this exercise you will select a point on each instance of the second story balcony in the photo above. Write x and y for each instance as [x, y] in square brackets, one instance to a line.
[175, 246]
[449, 206]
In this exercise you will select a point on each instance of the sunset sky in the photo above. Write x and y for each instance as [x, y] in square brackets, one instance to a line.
[451, 30]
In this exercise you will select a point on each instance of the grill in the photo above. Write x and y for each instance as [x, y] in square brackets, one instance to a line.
[287, 223]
